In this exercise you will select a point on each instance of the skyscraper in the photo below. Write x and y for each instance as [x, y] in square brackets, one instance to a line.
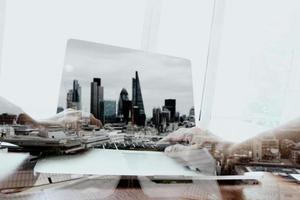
[161, 119]
[138, 111]
[97, 98]
[192, 111]
[191, 116]
[109, 111]
[170, 104]
[156, 117]
[69, 99]
[164, 119]
[74, 96]
[124, 106]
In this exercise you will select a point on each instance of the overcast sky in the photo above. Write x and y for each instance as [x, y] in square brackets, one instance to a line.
[161, 76]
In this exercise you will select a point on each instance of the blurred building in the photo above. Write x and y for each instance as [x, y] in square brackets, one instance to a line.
[295, 154]
[161, 119]
[270, 148]
[110, 111]
[97, 99]
[286, 146]
[165, 117]
[69, 99]
[191, 117]
[74, 96]
[266, 148]
[192, 111]
[256, 151]
[138, 112]
[177, 116]
[170, 104]
[124, 107]
[156, 117]
[9, 119]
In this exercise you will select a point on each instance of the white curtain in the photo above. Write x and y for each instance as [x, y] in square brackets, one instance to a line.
[257, 84]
